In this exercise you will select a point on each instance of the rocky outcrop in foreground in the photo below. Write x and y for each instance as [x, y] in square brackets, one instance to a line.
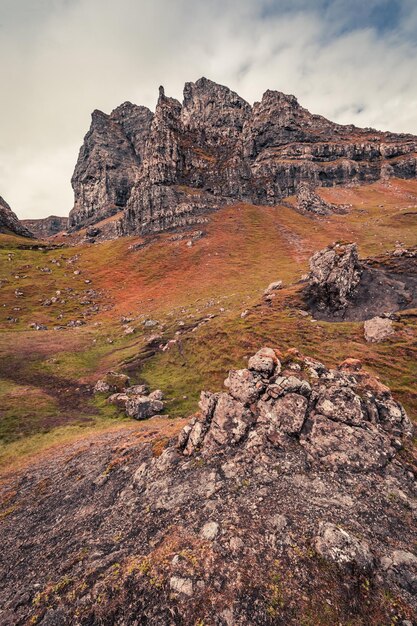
[164, 169]
[9, 222]
[290, 498]
[46, 227]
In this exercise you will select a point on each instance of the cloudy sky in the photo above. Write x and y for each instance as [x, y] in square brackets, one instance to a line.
[353, 61]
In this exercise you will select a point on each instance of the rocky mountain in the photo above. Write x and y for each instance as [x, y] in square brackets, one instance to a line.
[164, 169]
[290, 498]
[9, 222]
[46, 227]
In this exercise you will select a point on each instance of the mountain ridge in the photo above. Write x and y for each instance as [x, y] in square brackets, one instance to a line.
[164, 169]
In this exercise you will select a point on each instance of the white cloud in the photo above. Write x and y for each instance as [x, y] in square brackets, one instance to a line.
[60, 59]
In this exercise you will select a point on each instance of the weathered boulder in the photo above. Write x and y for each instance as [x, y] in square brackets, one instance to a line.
[377, 329]
[265, 361]
[143, 407]
[275, 286]
[335, 273]
[337, 545]
[244, 385]
[113, 382]
[401, 567]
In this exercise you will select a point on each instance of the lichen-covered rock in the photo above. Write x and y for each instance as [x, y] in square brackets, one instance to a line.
[265, 362]
[335, 273]
[337, 545]
[230, 422]
[244, 385]
[401, 567]
[143, 407]
[275, 286]
[342, 419]
[377, 329]
[284, 416]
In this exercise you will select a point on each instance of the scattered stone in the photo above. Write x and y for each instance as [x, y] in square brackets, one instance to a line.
[37, 326]
[337, 545]
[377, 329]
[139, 390]
[113, 382]
[273, 287]
[150, 323]
[181, 585]
[143, 407]
[210, 530]
[75, 323]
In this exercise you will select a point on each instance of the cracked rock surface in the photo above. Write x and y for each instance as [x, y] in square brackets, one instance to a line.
[290, 498]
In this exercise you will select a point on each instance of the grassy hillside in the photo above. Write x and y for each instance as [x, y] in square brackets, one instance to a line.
[194, 294]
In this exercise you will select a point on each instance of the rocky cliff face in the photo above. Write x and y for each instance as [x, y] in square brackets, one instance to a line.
[290, 498]
[165, 169]
[46, 227]
[108, 163]
[9, 222]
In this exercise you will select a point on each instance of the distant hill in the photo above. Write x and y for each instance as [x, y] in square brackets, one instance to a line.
[47, 226]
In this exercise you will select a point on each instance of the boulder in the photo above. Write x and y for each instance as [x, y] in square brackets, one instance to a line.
[265, 362]
[377, 329]
[143, 407]
[273, 287]
[343, 419]
[244, 385]
[401, 567]
[335, 273]
[112, 382]
[337, 545]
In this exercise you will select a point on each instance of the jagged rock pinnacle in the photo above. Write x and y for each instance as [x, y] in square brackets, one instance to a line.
[164, 170]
